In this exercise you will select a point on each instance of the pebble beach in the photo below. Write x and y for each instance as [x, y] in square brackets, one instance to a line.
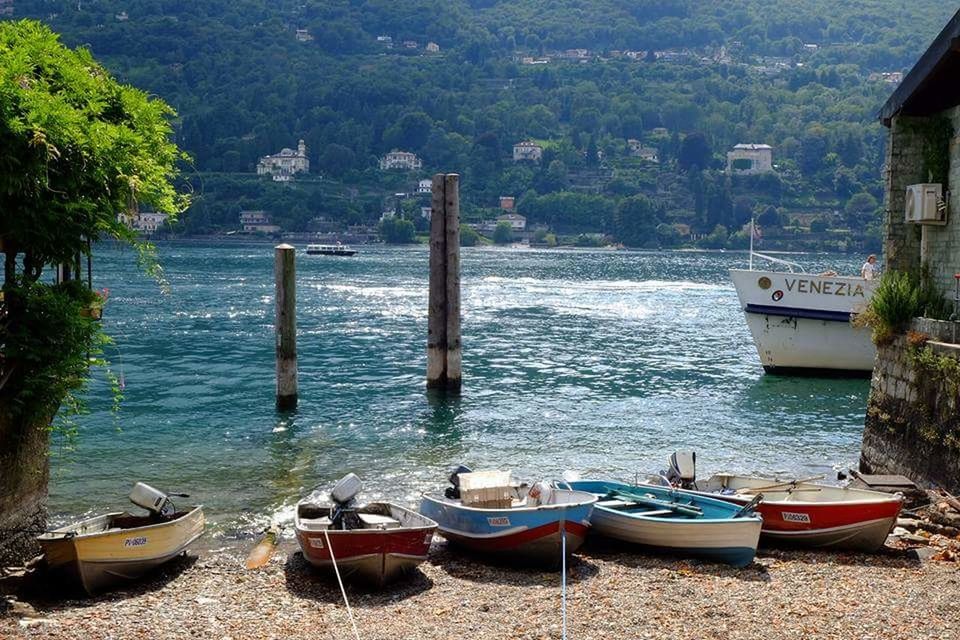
[612, 593]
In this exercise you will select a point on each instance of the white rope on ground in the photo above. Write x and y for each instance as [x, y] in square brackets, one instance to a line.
[343, 591]
[563, 569]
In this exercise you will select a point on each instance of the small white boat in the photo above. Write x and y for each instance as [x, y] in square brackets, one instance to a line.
[330, 250]
[115, 548]
[800, 322]
[672, 521]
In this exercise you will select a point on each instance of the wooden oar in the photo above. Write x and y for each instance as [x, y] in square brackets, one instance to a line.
[779, 484]
[262, 553]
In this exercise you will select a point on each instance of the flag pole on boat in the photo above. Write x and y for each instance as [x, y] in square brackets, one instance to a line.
[752, 233]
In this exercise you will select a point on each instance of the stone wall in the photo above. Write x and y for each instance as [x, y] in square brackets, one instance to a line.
[903, 166]
[902, 242]
[24, 470]
[912, 425]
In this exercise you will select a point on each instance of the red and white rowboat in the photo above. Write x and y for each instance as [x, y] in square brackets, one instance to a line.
[390, 541]
[812, 515]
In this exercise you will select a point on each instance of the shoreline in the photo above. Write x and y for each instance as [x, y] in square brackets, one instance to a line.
[613, 592]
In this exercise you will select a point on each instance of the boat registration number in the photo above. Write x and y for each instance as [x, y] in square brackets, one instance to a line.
[135, 542]
[795, 517]
[501, 521]
[316, 543]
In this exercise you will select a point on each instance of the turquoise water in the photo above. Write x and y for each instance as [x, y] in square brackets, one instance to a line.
[598, 361]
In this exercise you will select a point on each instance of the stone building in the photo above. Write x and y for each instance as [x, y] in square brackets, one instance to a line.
[637, 150]
[912, 425]
[528, 151]
[750, 159]
[403, 160]
[285, 164]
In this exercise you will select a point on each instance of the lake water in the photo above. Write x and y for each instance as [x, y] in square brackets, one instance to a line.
[598, 361]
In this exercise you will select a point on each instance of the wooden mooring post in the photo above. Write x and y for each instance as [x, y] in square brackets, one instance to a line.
[443, 328]
[286, 326]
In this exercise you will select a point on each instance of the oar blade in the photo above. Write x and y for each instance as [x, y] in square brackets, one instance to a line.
[261, 554]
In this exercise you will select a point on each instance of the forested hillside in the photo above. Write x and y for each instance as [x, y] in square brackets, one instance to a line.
[800, 75]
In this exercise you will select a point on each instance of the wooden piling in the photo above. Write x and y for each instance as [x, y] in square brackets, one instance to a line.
[443, 325]
[286, 326]
[452, 223]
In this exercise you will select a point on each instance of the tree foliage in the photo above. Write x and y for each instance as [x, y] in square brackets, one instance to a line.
[78, 151]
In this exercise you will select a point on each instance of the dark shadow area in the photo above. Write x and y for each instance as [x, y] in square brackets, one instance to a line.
[306, 581]
[886, 556]
[53, 590]
[465, 565]
[639, 557]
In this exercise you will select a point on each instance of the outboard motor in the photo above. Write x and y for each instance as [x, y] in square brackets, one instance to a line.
[683, 469]
[453, 492]
[156, 502]
[344, 516]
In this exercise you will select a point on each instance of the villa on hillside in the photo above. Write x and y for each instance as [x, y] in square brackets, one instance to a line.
[257, 222]
[285, 164]
[750, 159]
[148, 222]
[403, 160]
[517, 222]
[637, 150]
[425, 186]
[507, 203]
[528, 151]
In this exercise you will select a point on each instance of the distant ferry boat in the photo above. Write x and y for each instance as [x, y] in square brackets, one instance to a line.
[330, 250]
[800, 322]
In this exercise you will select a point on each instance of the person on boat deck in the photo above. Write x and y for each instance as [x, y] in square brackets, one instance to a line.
[869, 269]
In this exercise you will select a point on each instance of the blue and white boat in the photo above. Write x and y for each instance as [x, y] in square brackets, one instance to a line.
[530, 525]
[673, 521]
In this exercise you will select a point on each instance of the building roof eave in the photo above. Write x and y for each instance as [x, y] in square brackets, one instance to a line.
[912, 97]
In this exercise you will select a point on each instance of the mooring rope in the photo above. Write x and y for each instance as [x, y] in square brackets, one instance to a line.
[343, 591]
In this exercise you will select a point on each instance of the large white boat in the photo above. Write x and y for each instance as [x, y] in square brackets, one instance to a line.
[800, 322]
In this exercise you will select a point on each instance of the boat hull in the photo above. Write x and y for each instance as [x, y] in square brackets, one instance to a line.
[374, 557]
[847, 519]
[800, 323]
[725, 539]
[107, 559]
[531, 535]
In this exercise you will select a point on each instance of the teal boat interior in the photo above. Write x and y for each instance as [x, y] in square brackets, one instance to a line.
[651, 501]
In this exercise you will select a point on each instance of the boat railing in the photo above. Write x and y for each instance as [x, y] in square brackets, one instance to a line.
[787, 263]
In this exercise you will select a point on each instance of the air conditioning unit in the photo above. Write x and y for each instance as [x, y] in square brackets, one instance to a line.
[925, 204]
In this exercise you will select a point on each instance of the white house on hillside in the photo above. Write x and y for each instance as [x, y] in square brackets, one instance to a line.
[400, 160]
[257, 222]
[750, 158]
[285, 164]
[527, 151]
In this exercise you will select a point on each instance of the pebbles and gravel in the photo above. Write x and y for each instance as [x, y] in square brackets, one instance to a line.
[612, 593]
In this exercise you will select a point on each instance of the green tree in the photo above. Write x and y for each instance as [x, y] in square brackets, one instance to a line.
[694, 152]
[635, 221]
[78, 152]
[468, 236]
[395, 230]
[503, 233]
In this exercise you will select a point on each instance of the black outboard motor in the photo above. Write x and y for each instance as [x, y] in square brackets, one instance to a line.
[344, 516]
[453, 492]
[683, 470]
